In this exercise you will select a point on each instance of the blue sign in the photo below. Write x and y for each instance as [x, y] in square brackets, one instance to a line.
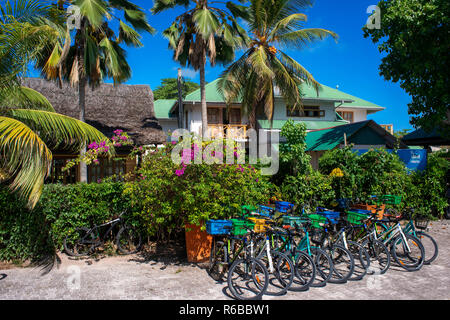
[414, 159]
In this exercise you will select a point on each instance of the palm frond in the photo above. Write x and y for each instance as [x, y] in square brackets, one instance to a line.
[25, 157]
[57, 130]
[21, 97]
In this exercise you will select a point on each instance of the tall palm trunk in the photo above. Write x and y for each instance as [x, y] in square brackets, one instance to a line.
[203, 95]
[82, 106]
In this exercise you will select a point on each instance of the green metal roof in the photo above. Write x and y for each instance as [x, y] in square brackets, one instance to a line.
[310, 124]
[329, 139]
[325, 93]
[162, 108]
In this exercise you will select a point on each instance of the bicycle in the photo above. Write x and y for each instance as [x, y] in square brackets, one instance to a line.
[247, 277]
[297, 243]
[359, 232]
[83, 241]
[279, 265]
[416, 227]
[406, 250]
[304, 268]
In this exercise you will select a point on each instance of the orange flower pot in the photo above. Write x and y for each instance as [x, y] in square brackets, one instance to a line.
[198, 244]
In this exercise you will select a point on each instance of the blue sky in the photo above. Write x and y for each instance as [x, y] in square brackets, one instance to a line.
[352, 63]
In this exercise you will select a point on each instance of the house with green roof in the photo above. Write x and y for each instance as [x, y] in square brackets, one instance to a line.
[327, 108]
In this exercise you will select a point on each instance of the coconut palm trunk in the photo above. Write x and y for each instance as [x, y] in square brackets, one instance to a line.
[82, 107]
[205, 131]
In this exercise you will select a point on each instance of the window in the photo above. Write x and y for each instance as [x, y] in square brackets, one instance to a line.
[307, 112]
[347, 115]
[106, 168]
[235, 116]
[214, 116]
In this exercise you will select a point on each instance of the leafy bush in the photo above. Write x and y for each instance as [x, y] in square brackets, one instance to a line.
[168, 195]
[34, 234]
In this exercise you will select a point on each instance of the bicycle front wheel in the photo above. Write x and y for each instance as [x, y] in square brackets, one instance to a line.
[79, 243]
[430, 246]
[281, 272]
[218, 260]
[324, 267]
[408, 252]
[129, 240]
[305, 272]
[380, 258]
[361, 258]
[248, 279]
[343, 264]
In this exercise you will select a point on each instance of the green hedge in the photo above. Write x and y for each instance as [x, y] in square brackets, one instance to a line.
[34, 234]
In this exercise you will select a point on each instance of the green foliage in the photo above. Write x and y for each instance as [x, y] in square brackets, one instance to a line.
[312, 190]
[293, 157]
[414, 38]
[379, 172]
[31, 235]
[428, 188]
[169, 89]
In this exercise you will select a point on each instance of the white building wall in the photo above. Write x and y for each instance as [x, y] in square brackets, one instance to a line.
[358, 114]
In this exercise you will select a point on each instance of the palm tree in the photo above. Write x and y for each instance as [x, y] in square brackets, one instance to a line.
[203, 31]
[29, 126]
[264, 67]
[94, 51]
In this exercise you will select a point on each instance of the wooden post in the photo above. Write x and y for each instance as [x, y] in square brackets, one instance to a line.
[345, 139]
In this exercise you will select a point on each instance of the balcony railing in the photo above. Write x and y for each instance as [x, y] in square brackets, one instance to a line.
[228, 131]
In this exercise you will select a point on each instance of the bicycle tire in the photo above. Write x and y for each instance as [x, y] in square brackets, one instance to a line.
[324, 267]
[256, 281]
[380, 257]
[217, 260]
[410, 261]
[128, 240]
[361, 258]
[283, 272]
[305, 272]
[429, 244]
[75, 247]
[343, 264]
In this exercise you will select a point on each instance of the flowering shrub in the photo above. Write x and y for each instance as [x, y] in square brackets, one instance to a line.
[189, 190]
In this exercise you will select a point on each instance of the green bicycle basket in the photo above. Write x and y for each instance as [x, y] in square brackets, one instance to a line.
[356, 218]
[317, 221]
[390, 199]
[293, 220]
[240, 226]
[246, 209]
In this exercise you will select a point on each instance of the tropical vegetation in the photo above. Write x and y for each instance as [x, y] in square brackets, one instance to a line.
[29, 125]
[265, 69]
[169, 88]
[93, 51]
[413, 37]
[207, 29]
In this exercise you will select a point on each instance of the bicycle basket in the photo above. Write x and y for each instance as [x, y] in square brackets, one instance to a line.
[390, 199]
[317, 236]
[317, 221]
[240, 227]
[356, 218]
[421, 222]
[292, 221]
[283, 206]
[218, 227]
[260, 225]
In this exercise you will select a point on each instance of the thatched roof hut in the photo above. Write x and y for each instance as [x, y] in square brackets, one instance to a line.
[126, 107]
